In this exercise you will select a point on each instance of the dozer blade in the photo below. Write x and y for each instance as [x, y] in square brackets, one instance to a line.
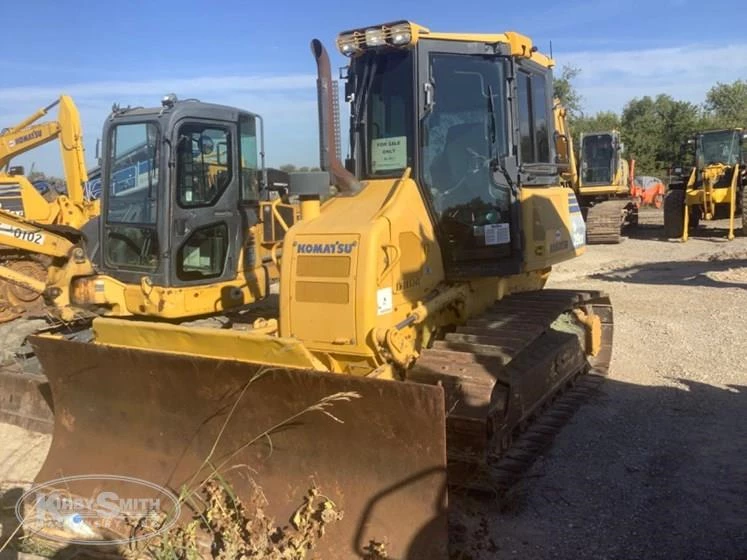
[156, 416]
[25, 401]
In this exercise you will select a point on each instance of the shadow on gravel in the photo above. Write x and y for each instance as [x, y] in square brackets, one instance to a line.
[644, 231]
[639, 472]
[707, 231]
[678, 273]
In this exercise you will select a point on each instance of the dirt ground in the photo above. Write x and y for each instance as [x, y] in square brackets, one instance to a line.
[654, 466]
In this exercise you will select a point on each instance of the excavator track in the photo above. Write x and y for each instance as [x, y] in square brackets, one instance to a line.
[16, 301]
[512, 377]
[604, 222]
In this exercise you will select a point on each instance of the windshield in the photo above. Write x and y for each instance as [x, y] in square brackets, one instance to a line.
[463, 133]
[597, 153]
[382, 111]
[718, 147]
[132, 202]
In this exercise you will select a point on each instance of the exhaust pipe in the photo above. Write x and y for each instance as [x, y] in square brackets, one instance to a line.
[341, 177]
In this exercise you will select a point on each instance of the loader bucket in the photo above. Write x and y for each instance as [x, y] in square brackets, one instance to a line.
[155, 416]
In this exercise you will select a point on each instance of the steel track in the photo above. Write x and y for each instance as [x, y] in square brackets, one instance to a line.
[512, 380]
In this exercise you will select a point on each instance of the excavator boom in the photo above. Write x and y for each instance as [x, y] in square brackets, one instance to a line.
[26, 136]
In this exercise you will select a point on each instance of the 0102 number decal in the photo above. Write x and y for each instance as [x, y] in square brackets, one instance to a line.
[24, 235]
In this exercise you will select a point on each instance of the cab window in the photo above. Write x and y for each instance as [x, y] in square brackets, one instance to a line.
[534, 132]
[204, 167]
[249, 164]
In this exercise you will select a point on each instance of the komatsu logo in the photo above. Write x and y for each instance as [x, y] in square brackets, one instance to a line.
[25, 138]
[336, 248]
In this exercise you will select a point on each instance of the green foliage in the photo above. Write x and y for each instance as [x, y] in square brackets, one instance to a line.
[653, 130]
[602, 121]
[567, 93]
[726, 105]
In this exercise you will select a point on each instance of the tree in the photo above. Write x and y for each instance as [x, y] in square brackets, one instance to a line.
[288, 168]
[564, 90]
[653, 130]
[726, 105]
[601, 122]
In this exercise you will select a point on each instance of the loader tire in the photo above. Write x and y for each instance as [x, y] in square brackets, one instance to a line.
[674, 214]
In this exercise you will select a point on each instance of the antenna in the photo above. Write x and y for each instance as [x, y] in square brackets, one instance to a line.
[550, 48]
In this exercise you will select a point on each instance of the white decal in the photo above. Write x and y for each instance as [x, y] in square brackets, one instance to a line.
[578, 230]
[388, 153]
[22, 234]
[497, 234]
[384, 303]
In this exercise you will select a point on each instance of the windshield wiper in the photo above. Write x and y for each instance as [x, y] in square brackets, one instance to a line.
[491, 114]
[497, 163]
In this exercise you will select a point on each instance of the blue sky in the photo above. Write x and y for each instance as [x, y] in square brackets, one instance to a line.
[256, 55]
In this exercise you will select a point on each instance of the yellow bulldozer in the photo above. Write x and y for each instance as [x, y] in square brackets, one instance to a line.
[18, 196]
[411, 306]
[715, 183]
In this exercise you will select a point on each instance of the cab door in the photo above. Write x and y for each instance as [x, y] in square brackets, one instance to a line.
[205, 224]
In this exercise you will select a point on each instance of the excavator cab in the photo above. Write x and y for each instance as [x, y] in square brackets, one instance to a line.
[600, 155]
[175, 178]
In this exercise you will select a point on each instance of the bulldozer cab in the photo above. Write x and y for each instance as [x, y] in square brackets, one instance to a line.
[600, 157]
[468, 120]
[180, 186]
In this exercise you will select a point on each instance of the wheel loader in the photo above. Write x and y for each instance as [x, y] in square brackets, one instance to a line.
[19, 196]
[715, 183]
[416, 351]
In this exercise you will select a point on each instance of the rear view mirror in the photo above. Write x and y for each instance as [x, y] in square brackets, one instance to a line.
[206, 145]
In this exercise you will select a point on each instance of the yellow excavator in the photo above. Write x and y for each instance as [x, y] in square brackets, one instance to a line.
[221, 269]
[716, 182]
[602, 181]
[19, 196]
[412, 303]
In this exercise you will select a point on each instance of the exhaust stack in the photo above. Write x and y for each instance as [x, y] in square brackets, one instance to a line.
[341, 177]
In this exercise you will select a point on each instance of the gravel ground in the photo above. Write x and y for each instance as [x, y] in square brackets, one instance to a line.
[653, 466]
